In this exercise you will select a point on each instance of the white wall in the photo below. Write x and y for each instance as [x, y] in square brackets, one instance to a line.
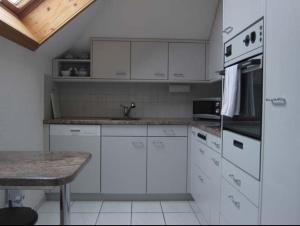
[21, 102]
[187, 19]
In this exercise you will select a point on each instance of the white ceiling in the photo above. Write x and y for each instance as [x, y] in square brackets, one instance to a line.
[188, 19]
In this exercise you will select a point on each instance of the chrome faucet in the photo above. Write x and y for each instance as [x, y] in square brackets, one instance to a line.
[127, 110]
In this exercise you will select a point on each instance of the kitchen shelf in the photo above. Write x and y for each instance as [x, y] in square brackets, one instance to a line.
[60, 65]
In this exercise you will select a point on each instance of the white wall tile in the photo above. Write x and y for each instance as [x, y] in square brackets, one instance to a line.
[153, 100]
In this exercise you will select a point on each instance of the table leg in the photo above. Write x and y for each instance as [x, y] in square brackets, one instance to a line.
[65, 205]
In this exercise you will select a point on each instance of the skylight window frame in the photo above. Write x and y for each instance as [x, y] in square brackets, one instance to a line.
[19, 7]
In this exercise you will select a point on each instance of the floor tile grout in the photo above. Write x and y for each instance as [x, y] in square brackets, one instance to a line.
[162, 211]
[98, 218]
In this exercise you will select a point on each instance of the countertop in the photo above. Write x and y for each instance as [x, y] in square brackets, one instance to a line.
[212, 127]
[39, 169]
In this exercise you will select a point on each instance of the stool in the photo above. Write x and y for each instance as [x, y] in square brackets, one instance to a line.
[18, 216]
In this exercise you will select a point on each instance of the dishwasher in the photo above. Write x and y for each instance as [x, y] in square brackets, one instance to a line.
[78, 138]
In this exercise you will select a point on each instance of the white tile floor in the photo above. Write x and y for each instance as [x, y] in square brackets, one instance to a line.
[121, 213]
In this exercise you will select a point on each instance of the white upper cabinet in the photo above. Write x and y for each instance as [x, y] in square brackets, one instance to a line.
[187, 62]
[149, 60]
[239, 14]
[215, 47]
[111, 60]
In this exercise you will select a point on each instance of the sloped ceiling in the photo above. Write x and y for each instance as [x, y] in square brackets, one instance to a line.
[188, 19]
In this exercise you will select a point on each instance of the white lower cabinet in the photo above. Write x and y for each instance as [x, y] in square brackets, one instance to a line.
[124, 165]
[205, 177]
[167, 165]
[201, 194]
[236, 207]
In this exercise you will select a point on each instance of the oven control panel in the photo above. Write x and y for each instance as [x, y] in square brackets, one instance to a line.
[249, 42]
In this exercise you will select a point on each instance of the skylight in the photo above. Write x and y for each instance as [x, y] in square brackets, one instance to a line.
[19, 4]
[15, 2]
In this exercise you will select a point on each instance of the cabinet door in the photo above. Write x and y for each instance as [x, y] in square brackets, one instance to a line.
[111, 60]
[167, 165]
[80, 138]
[281, 181]
[149, 61]
[123, 165]
[216, 47]
[187, 62]
[239, 14]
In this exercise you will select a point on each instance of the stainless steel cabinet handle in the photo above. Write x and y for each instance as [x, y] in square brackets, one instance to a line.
[75, 130]
[201, 179]
[217, 163]
[201, 151]
[158, 144]
[228, 30]
[138, 145]
[236, 181]
[279, 101]
[216, 145]
[235, 203]
[179, 75]
[169, 132]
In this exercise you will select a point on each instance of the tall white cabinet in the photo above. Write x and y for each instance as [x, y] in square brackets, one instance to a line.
[215, 47]
[239, 14]
[281, 181]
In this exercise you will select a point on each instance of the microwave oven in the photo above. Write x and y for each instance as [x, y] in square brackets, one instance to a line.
[207, 108]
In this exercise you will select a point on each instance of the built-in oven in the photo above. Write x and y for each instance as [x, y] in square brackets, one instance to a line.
[246, 52]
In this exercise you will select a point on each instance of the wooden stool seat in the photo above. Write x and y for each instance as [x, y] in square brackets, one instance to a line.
[18, 216]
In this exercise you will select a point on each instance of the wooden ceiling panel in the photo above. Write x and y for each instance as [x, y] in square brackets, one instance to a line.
[39, 21]
[13, 29]
[51, 15]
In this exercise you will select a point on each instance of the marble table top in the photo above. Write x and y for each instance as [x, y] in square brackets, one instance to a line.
[38, 169]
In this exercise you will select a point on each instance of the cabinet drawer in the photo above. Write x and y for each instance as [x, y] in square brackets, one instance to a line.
[213, 170]
[243, 152]
[214, 143]
[124, 131]
[201, 192]
[167, 131]
[199, 135]
[236, 207]
[73, 130]
[241, 181]
[199, 154]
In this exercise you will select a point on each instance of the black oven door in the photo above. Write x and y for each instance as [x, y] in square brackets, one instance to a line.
[249, 120]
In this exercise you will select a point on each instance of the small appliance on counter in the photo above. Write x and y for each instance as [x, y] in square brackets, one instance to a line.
[207, 108]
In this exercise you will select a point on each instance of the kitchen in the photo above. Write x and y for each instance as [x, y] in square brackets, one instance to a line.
[169, 120]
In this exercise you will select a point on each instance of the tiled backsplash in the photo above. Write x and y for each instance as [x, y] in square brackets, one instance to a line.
[152, 100]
